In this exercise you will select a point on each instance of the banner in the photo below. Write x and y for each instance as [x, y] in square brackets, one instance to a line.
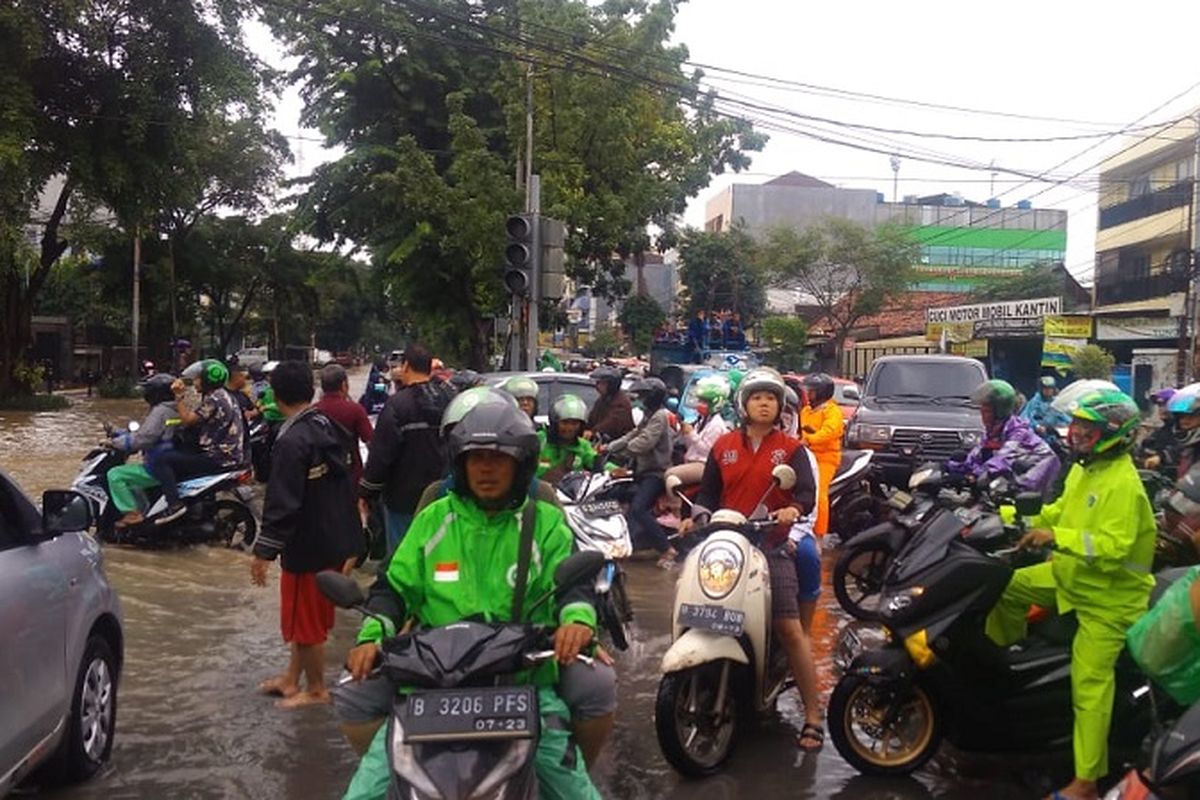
[976, 348]
[952, 331]
[1009, 309]
[1057, 351]
[1077, 327]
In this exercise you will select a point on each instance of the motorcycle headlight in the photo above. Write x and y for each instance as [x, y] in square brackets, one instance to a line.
[720, 567]
[919, 477]
[897, 602]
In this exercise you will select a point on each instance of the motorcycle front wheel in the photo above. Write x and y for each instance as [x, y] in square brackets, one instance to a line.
[858, 578]
[695, 735]
[618, 614]
[883, 728]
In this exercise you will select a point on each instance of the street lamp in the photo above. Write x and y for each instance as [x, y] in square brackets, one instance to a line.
[895, 176]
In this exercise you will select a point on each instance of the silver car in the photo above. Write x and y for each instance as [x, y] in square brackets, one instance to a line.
[60, 624]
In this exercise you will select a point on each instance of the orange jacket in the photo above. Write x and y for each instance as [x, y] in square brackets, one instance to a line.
[828, 424]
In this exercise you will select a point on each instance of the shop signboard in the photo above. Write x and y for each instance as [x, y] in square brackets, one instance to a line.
[1009, 319]
[1068, 327]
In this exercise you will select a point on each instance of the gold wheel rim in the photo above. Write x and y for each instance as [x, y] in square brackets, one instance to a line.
[886, 755]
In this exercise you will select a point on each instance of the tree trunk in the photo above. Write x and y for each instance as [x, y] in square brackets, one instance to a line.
[639, 262]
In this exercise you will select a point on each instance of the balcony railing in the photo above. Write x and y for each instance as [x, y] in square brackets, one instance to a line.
[1174, 196]
[1131, 290]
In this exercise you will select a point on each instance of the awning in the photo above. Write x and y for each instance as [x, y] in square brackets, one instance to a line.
[1171, 305]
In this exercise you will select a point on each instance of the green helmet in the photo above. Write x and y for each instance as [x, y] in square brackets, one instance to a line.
[999, 395]
[469, 399]
[520, 387]
[713, 390]
[1114, 412]
[735, 379]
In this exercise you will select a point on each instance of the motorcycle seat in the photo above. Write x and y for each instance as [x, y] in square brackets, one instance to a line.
[1163, 581]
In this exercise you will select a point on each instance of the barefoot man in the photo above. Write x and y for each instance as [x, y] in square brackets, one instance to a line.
[310, 518]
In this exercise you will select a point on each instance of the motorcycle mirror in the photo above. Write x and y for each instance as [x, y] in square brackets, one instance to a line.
[673, 484]
[134, 425]
[341, 590]
[785, 476]
[1029, 504]
[575, 570]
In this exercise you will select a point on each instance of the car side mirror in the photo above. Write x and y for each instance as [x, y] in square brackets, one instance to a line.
[851, 394]
[65, 511]
[341, 590]
[1029, 504]
[785, 476]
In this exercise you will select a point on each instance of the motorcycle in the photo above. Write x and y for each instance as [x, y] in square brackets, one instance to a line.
[1174, 765]
[592, 505]
[465, 730]
[853, 502]
[217, 505]
[939, 676]
[723, 664]
[859, 571]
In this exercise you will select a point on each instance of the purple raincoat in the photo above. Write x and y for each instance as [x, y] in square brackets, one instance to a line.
[1040, 466]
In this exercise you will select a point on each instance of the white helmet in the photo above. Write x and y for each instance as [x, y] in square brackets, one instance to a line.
[761, 379]
[1068, 399]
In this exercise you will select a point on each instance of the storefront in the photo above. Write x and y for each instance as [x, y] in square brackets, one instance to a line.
[1018, 340]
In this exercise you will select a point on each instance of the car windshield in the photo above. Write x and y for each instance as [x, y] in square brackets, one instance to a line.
[899, 379]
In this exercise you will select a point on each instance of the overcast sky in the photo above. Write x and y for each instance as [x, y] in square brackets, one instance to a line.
[1052, 58]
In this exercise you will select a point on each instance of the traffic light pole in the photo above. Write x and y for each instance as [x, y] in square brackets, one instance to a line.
[534, 201]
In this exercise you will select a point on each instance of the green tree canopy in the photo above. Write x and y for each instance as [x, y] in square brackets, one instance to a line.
[847, 270]
[787, 338]
[1094, 362]
[721, 271]
[620, 141]
[640, 316]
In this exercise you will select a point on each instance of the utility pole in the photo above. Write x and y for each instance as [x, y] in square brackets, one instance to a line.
[137, 298]
[534, 199]
[1194, 245]
[992, 183]
[895, 176]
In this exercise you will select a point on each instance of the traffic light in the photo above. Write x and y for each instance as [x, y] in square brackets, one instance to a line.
[519, 254]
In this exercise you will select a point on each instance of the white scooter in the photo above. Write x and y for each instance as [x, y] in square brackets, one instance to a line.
[593, 508]
[722, 666]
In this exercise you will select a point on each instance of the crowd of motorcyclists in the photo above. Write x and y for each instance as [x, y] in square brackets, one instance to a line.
[460, 473]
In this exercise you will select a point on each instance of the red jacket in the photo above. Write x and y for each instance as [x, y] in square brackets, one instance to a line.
[736, 475]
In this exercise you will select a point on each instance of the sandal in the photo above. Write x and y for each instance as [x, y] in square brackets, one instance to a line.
[814, 732]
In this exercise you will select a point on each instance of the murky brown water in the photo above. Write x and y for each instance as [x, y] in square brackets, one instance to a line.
[199, 639]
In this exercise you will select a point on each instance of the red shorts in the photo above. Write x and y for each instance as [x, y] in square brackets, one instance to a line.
[305, 615]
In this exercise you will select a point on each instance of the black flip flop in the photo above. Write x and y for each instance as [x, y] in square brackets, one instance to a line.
[811, 731]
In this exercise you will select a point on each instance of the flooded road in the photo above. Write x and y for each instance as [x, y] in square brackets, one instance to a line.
[199, 639]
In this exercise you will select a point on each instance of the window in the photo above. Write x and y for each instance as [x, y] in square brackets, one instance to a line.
[1183, 170]
[1139, 186]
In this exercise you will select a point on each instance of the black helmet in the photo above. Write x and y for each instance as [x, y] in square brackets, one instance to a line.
[651, 391]
[501, 427]
[610, 374]
[465, 379]
[818, 387]
[157, 388]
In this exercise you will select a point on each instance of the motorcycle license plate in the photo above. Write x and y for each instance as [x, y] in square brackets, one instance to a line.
[502, 712]
[601, 508]
[728, 621]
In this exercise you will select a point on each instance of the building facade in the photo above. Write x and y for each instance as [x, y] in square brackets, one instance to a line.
[962, 243]
[1144, 227]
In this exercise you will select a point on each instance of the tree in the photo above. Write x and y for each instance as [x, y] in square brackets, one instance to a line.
[394, 84]
[641, 316]
[1094, 362]
[102, 96]
[848, 271]
[604, 341]
[787, 338]
[721, 271]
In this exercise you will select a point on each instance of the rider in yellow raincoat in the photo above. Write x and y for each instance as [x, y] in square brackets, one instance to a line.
[1103, 532]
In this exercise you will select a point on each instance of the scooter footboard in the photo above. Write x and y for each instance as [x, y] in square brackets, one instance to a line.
[887, 664]
[696, 647]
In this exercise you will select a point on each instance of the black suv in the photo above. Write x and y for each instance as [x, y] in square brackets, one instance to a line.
[916, 409]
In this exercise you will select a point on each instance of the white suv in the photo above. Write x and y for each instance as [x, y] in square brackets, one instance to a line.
[60, 622]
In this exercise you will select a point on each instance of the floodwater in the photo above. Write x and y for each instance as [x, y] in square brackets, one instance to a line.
[200, 638]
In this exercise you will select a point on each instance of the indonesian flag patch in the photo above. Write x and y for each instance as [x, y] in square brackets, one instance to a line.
[446, 572]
